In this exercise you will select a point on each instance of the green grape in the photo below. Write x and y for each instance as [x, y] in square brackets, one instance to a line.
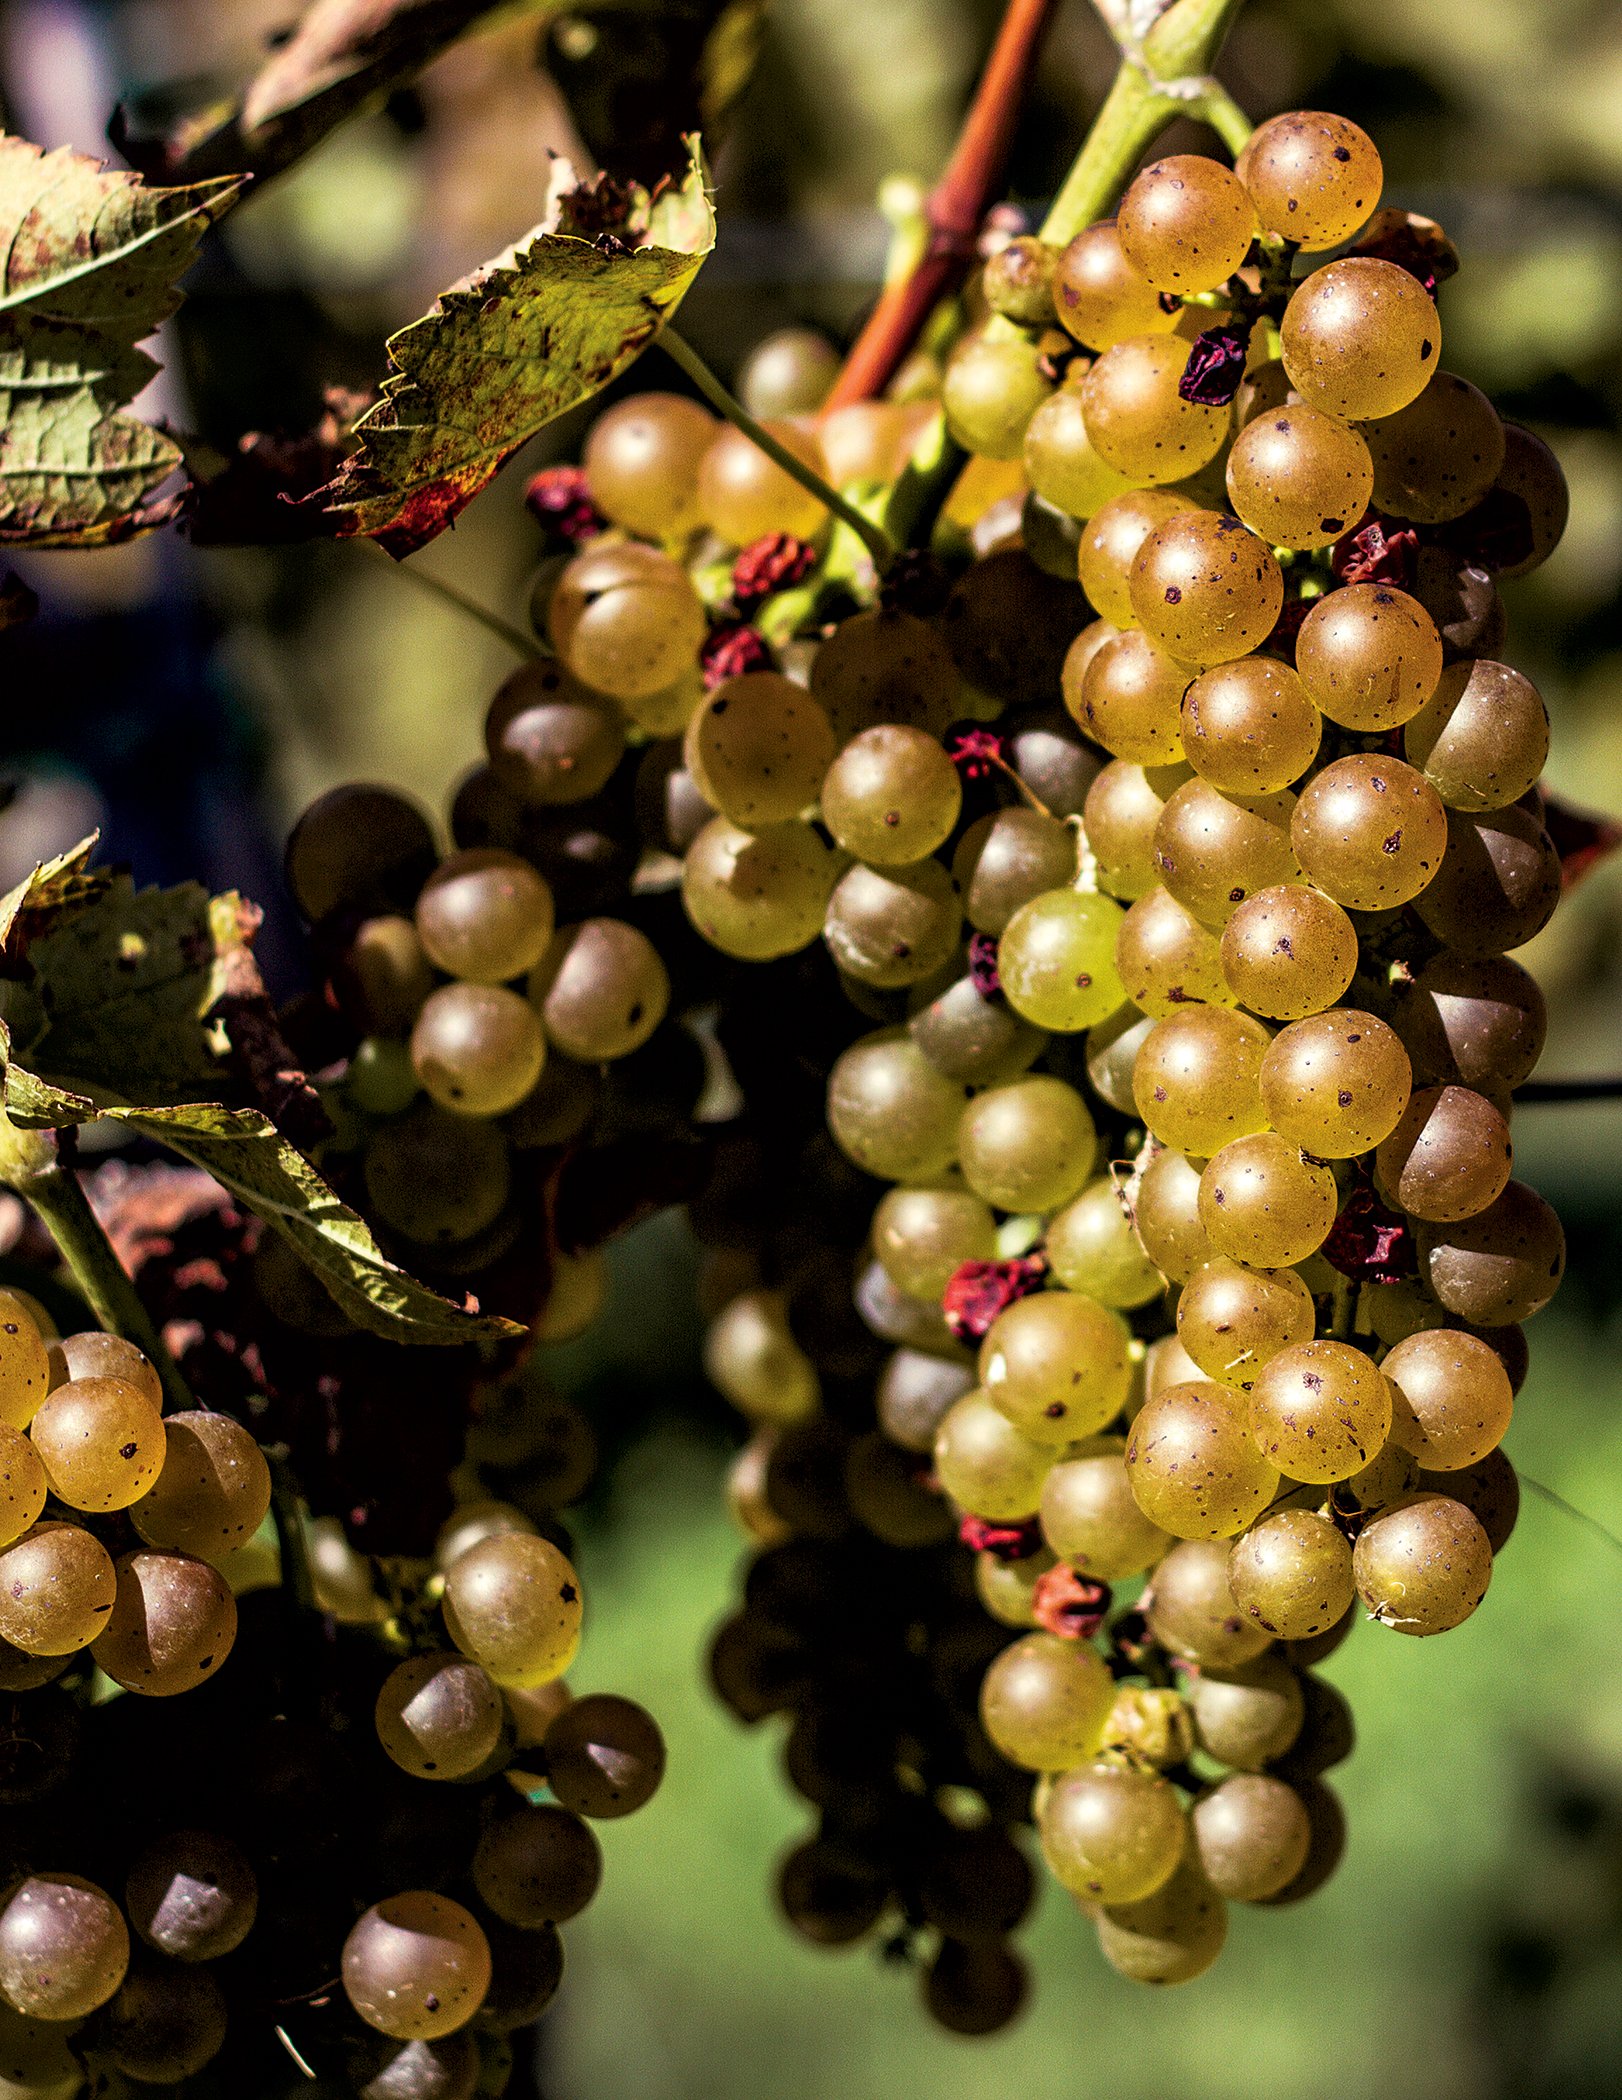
[1109, 547]
[758, 748]
[437, 1178]
[1101, 297]
[472, 1522]
[1169, 1937]
[576, 1292]
[512, 1603]
[1312, 177]
[757, 895]
[1463, 601]
[1193, 1467]
[1437, 457]
[1288, 952]
[1532, 474]
[1360, 338]
[1090, 1519]
[1192, 1612]
[1166, 958]
[1044, 1703]
[1112, 1051]
[868, 442]
[213, 1492]
[64, 1947]
[642, 458]
[1299, 478]
[1252, 1835]
[667, 712]
[416, 1965]
[1186, 223]
[1320, 1410]
[1167, 1216]
[1130, 700]
[1060, 462]
[600, 990]
[788, 373]
[974, 1987]
[891, 796]
[1496, 1268]
[1006, 1588]
[1196, 1081]
[752, 1358]
[192, 1895]
[1205, 589]
[1489, 1490]
[1028, 1146]
[1336, 1084]
[1051, 759]
[605, 1756]
[885, 666]
[626, 619]
[893, 1497]
[972, 1039]
[1248, 1714]
[1482, 738]
[100, 1441]
[923, 1234]
[1473, 1021]
[360, 846]
[1005, 859]
[1248, 727]
[1369, 656]
[384, 976]
[1140, 424]
[550, 739]
[1265, 1203]
[743, 495]
[1232, 1320]
[477, 1049]
[1423, 1565]
[1369, 831]
[1451, 1398]
[484, 916]
[1057, 1365]
[891, 1111]
[1448, 1158]
[22, 1484]
[438, 1716]
[25, 1366]
[1498, 883]
[173, 1622]
[987, 1465]
[380, 1080]
[1091, 1247]
[537, 1866]
[1212, 851]
[164, 2025]
[1112, 1834]
[1291, 1574]
[1056, 960]
[890, 927]
[993, 386]
[1122, 809]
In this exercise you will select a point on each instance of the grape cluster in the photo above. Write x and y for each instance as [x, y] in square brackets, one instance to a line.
[1188, 982]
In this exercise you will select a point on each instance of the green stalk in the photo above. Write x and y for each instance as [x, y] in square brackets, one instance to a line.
[521, 644]
[873, 537]
[29, 1163]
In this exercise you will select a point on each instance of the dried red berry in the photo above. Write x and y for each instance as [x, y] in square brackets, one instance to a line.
[772, 563]
[977, 753]
[1216, 364]
[979, 1290]
[1072, 1606]
[1001, 1541]
[1368, 1242]
[1377, 552]
[730, 651]
[560, 500]
[983, 972]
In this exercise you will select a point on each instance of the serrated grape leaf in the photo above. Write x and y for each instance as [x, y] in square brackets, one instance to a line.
[54, 886]
[92, 261]
[530, 335]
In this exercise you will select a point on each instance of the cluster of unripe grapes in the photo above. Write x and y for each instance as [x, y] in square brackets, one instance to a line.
[1193, 999]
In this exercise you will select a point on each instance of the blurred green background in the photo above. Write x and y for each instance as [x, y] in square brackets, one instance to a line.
[1471, 1944]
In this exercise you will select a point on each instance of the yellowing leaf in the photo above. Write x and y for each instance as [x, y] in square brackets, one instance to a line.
[92, 260]
[532, 334]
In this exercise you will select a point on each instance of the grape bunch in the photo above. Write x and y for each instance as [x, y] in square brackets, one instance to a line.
[1171, 825]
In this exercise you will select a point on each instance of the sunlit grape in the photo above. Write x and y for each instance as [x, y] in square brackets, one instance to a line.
[1232, 1319]
[1320, 1410]
[1194, 1469]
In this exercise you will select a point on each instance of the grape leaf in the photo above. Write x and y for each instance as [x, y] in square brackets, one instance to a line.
[92, 258]
[53, 886]
[530, 335]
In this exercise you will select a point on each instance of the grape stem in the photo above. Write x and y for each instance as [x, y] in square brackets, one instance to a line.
[1592, 1524]
[31, 1163]
[954, 210]
[520, 643]
[873, 537]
